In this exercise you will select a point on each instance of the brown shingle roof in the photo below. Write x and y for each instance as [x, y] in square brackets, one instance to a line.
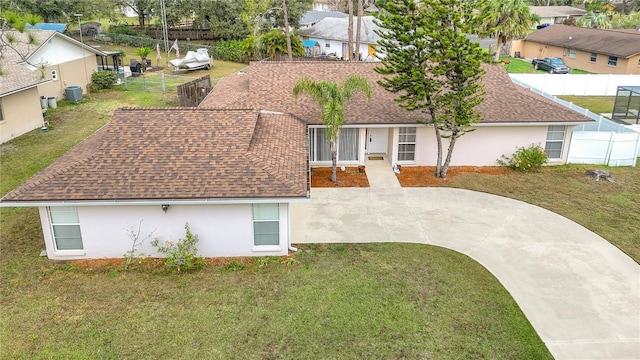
[619, 43]
[16, 77]
[270, 87]
[179, 154]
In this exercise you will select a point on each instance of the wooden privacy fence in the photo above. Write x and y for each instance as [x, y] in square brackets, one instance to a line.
[192, 93]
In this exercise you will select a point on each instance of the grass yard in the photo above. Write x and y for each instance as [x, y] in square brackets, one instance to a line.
[596, 104]
[384, 301]
[219, 69]
[520, 66]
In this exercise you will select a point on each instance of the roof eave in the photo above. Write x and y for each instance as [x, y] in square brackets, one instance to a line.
[25, 88]
[147, 202]
[534, 123]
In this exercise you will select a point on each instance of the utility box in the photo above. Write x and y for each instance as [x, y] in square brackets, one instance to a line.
[73, 93]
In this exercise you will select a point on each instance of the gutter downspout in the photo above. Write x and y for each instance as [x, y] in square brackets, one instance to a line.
[291, 247]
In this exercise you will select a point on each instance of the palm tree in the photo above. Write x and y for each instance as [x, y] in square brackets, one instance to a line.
[358, 29]
[350, 32]
[595, 20]
[143, 52]
[506, 20]
[332, 99]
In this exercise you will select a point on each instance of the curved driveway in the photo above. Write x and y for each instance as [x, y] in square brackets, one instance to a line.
[580, 293]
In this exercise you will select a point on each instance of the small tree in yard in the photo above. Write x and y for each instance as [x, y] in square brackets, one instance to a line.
[432, 66]
[332, 99]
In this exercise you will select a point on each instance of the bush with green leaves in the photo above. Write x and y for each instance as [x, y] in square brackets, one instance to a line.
[103, 79]
[525, 158]
[180, 254]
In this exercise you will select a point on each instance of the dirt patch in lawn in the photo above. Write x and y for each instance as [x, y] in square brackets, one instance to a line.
[351, 177]
[417, 176]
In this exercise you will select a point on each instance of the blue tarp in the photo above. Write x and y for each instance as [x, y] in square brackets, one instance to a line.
[309, 43]
[48, 26]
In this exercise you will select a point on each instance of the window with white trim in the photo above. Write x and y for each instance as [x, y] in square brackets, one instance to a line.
[407, 144]
[555, 141]
[594, 57]
[266, 224]
[612, 61]
[572, 53]
[65, 227]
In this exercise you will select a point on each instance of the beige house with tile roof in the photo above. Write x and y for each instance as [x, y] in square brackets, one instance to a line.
[598, 51]
[43, 69]
[231, 174]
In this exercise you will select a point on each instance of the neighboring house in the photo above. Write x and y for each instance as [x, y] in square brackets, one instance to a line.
[44, 69]
[332, 36]
[230, 174]
[555, 14]
[512, 116]
[593, 50]
[313, 16]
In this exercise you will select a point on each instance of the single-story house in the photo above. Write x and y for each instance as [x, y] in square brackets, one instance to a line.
[230, 174]
[313, 16]
[332, 36]
[512, 116]
[615, 51]
[232, 167]
[555, 14]
[40, 70]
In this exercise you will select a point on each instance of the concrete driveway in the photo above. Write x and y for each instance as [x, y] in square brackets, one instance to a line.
[580, 293]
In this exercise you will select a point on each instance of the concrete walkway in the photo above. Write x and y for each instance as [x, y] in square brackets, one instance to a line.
[580, 293]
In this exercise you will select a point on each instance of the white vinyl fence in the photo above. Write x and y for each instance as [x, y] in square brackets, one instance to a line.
[576, 84]
[602, 142]
[603, 148]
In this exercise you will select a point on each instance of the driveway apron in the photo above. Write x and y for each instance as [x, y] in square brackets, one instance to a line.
[580, 293]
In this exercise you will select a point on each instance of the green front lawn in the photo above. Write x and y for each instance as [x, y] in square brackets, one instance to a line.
[520, 66]
[384, 301]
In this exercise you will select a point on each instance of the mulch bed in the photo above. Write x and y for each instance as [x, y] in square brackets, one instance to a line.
[155, 263]
[351, 177]
[417, 176]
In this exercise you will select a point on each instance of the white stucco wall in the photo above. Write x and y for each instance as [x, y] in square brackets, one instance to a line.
[481, 147]
[485, 145]
[335, 46]
[223, 230]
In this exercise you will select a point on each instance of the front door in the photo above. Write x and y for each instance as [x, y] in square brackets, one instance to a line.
[377, 139]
